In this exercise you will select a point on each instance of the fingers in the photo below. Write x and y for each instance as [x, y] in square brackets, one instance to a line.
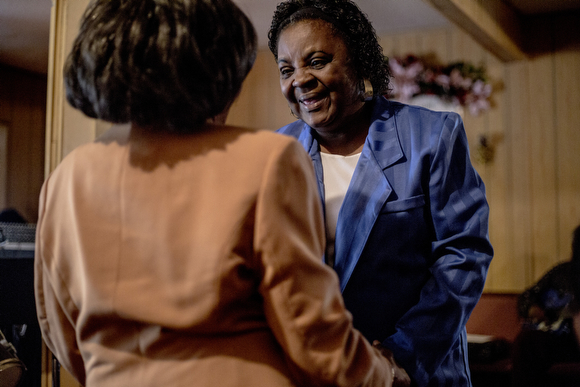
[400, 376]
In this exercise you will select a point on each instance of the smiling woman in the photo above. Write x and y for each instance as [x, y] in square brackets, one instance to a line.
[312, 60]
[406, 213]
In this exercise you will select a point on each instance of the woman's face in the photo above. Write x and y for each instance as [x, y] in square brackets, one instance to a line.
[316, 76]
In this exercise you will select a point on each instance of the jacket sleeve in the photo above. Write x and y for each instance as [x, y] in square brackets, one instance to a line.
[460, 256]
[55, 309]
[302, 300]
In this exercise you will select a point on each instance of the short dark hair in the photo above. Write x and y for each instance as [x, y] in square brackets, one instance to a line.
[350, 22]
[172, 63]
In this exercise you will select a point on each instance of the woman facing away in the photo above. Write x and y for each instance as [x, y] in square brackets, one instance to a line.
[406, 212]
[176, 251]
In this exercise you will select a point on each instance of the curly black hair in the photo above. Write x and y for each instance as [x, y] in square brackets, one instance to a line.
[350, 22]
[165, 63]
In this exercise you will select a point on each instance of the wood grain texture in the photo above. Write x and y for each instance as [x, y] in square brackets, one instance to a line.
[542, 159]
[492, 23]
[22, 113]
[567, 113]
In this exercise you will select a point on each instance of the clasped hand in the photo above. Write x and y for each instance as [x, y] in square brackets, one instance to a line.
[400, 376]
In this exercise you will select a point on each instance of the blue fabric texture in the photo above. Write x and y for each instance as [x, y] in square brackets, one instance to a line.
[412, 243]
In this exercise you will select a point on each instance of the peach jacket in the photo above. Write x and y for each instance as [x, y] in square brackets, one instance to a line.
[193, 260]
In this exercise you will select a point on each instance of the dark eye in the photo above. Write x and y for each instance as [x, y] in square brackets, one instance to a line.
[318, 63]
[285, 72]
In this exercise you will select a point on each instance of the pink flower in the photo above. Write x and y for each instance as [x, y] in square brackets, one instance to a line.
[405, 79]
[476, 99]
[459, 83]
[456, 80]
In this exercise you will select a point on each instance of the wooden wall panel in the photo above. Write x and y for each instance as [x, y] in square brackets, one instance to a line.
[438, 43]
[388, 44]
[6, 90]
[567, 113]
[496, 179]
[408, 43]
[463, 46]
[544, 251]
[19, 163]
[23, 112]
[244, 111]
[261, 103]
[519, 185]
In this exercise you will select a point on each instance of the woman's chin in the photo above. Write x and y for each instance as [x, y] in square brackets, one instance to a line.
[315, 119]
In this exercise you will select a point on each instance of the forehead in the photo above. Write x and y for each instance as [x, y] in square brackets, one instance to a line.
[311, 31]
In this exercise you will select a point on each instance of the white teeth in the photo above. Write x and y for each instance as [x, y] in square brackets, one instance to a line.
[312, 104]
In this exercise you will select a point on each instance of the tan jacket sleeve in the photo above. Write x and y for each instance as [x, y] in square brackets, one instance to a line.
[57, 326]
[302, 299]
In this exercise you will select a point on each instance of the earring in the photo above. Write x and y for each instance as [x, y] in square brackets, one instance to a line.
[368, 92]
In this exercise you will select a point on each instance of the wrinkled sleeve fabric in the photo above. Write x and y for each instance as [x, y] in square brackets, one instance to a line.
[55, 308]
[302, 300]
[460, 256]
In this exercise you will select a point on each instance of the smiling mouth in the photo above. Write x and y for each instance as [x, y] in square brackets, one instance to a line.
[311, 104]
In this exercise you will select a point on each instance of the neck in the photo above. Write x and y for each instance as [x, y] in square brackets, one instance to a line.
[343, 147]
[350, 137]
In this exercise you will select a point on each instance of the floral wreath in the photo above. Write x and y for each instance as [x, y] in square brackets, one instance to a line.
[459, 83]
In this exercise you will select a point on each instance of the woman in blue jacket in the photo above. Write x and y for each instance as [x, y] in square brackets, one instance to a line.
[406, 212]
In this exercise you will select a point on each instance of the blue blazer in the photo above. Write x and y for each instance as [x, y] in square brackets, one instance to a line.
[412, 246]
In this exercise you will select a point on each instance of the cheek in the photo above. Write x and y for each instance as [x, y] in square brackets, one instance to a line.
[348, 92]
[287, 90]
[342, 83]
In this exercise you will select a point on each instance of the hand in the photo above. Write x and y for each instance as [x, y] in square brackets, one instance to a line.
[401, 378]
[536, 314]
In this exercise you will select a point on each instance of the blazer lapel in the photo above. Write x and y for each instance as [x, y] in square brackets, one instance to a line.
[311, 146]
[368, 191]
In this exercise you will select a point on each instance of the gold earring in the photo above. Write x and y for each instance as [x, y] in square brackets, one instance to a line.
[368, 90]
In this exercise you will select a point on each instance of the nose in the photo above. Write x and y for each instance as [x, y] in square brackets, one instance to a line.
[301, 77]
